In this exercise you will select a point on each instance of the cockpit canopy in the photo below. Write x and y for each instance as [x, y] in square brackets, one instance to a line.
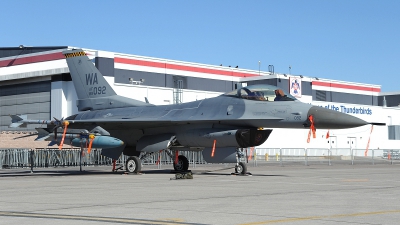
[260, 92]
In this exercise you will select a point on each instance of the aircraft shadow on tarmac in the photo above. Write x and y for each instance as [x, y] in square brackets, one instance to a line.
[51, 173]
[72, 172]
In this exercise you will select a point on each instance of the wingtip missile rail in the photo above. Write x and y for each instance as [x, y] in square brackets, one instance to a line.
[22, 121]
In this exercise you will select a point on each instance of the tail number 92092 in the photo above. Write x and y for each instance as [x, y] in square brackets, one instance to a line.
[97, 90]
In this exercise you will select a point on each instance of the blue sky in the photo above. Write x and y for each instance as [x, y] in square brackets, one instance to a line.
[352, 40]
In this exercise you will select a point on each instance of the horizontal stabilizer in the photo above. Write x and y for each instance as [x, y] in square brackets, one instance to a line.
[43, 135]
[53, 143]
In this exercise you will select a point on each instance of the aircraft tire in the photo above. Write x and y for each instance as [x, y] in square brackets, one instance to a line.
[241, 168]
[183, 164]
[133, 165]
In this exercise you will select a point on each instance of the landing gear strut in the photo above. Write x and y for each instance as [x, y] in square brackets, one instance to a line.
[241, 167]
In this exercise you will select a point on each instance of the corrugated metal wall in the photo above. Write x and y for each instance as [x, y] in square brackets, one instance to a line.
[17, 51]
[31, 99]
[391, 100]
[332, 96]
[168, 80]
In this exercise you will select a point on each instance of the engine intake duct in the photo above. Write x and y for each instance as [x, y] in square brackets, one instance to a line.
[251, 137]
[241, 138]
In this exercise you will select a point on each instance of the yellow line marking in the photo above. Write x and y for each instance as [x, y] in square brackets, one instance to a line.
[322, 217]
[92, 218]
[173, 220]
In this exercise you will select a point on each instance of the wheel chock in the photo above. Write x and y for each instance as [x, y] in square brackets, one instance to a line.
[180, 176]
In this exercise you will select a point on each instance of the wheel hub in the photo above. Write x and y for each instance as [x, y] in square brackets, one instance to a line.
[239, 169]
[131, 166]
[179, 165]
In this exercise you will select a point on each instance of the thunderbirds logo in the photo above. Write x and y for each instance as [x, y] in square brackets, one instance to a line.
[349, 110]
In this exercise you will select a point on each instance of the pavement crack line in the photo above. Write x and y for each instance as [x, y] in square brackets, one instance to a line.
[94, 218]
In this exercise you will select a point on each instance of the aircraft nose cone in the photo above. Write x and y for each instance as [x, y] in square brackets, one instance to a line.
[330, 119]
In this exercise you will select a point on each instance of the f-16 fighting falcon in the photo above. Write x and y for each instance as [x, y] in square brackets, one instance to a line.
[218, 126]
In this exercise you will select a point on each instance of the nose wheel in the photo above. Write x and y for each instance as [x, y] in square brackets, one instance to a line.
[241, 168]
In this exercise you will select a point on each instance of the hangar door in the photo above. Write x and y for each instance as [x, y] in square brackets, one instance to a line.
[31, 99]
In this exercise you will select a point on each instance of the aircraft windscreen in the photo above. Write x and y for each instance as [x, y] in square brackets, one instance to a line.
[261, 92]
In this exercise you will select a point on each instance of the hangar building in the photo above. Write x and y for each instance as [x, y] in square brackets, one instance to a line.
[35, 81]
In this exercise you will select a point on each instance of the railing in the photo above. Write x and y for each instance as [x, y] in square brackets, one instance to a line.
[14, 158]
[325, 156]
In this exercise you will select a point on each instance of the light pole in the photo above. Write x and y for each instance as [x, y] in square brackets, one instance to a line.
[259, 66]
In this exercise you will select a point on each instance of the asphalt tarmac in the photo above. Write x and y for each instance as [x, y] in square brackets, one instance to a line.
[273, 194]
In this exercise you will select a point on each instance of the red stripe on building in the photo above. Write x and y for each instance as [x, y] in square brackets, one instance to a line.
[182, 67]
[31, 59]
[345, 86]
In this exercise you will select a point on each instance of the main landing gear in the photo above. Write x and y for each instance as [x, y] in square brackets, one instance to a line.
[133, 165]
[182, 164]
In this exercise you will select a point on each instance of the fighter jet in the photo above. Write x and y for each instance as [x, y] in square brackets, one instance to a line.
[219, 127]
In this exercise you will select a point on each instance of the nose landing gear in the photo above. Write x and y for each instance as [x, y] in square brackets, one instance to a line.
[241, 167]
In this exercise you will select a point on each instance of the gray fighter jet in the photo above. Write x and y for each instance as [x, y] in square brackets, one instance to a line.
[218, 126]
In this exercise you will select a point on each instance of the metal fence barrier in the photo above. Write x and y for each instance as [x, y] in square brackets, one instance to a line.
[53, 157]
[325, 156]
[14, 158]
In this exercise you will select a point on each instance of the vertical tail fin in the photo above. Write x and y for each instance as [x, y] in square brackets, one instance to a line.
[88, 81]
[93, 91]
